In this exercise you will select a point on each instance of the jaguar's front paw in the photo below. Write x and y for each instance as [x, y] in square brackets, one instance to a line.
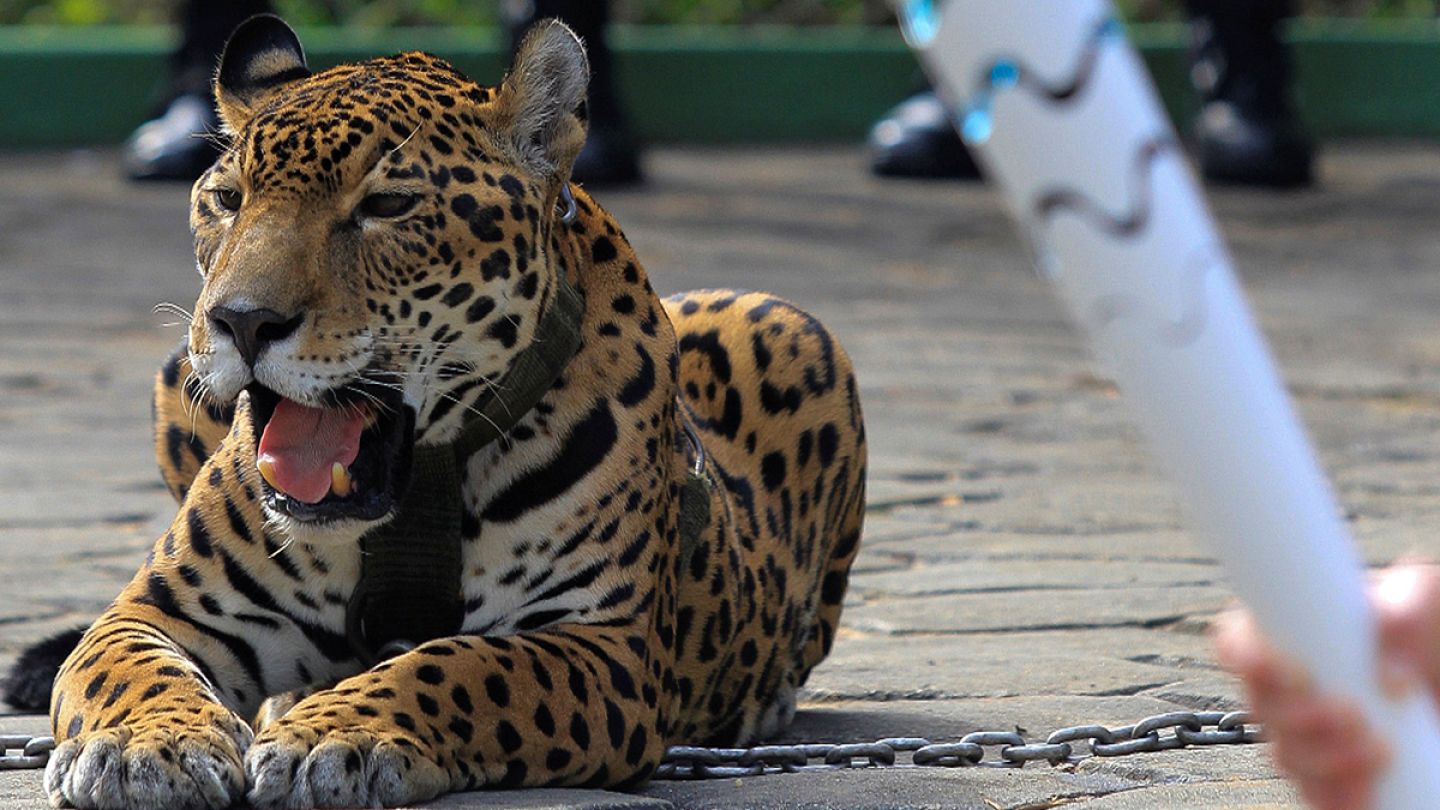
[182, 768]
[292, 765]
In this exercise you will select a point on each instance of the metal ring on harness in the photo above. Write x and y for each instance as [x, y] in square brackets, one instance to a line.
[360, 643]
[572, 209]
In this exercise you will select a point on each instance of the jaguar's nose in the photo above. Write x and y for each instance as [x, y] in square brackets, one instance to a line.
[253, 329]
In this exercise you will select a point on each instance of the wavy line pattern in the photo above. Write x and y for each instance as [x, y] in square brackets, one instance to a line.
[1194, 314]
[1127, 223]
[1137, 214]
[976, 122]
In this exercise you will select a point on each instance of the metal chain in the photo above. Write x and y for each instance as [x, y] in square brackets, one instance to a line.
[34, 751]
[993, 749]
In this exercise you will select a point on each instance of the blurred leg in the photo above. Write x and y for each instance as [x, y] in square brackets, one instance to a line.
[917, 139]
[610, 156]
[1247, 131]
[204, 28]
[173, 146]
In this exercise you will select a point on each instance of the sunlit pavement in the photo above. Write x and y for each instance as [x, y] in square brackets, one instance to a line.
[1023, 564]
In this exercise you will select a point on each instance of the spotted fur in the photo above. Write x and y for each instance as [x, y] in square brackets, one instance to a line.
[591, 639]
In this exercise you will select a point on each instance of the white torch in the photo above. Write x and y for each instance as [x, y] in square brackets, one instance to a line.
[1062, 117]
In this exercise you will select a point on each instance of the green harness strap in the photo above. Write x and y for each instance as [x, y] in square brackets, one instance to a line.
[410, 568]
[409, 585]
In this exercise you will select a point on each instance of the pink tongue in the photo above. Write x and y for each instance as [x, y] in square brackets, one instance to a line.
[304, 443]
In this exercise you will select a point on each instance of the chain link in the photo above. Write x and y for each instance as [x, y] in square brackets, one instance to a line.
[991, 749]
[34, 751]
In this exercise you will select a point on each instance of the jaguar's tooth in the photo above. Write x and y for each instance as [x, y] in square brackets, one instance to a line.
[340, 482]
[267, 471]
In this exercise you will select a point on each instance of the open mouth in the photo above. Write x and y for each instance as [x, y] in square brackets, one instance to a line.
[349, 459]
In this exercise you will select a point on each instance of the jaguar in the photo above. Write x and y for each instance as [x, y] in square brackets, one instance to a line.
[462, 502]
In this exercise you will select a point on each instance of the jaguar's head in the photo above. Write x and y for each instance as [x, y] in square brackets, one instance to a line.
[375, 248]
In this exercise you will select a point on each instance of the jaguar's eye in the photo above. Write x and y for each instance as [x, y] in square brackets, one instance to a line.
[229, 199]
[388, 205]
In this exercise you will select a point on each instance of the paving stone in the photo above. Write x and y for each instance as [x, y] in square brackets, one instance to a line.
[938, 537]
[1220, 764]
[34, 725]
[1033, 716]
[892, 789]
[1252, 794]
[990, 612]
[548, 799]
[22, 790]
[1027, 576]
[69, 572]
[1114, 661]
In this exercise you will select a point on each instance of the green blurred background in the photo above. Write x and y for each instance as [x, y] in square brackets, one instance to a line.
[659, 12]
[86, 72]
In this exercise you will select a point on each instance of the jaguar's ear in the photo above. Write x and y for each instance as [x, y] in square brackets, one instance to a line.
[541, 104]
[262, 55]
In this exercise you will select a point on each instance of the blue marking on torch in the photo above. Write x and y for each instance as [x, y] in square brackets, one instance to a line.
[919, 22]
[976, 122]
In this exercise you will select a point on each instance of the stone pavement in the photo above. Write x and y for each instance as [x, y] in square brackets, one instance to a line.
[1023, 565]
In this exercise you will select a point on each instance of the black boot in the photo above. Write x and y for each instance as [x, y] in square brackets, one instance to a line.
[917, 139]
[181, 140]
[1247, 132]
[611, 156]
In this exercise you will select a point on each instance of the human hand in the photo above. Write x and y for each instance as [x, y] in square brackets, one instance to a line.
[1322, 742]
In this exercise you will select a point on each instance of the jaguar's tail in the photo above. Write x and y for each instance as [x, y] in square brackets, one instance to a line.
[28, 684]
